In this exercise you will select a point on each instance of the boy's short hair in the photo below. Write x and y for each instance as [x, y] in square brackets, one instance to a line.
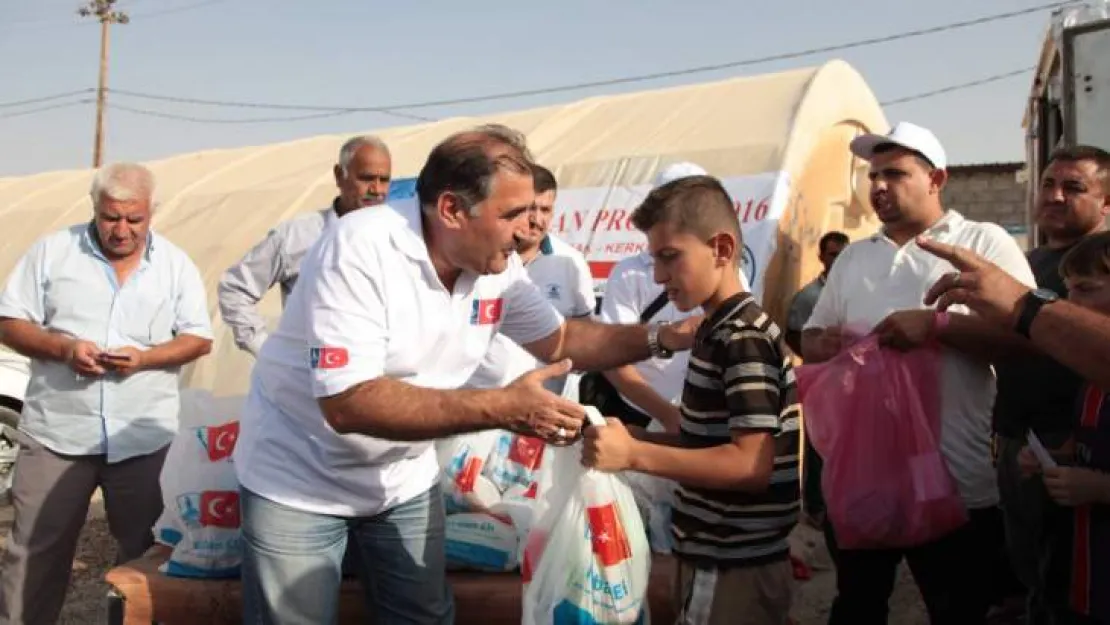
[542, 179]
[698, 205]
[1090, 258]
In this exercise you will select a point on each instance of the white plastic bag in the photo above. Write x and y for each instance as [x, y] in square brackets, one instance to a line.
[587, 558]
[200, 492]
[515, 460]
[462, 460]
[481, 542]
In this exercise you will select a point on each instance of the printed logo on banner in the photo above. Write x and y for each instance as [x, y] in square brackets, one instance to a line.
[329, 357]
[747, 264]
[485, 311]
[211, 508]
[219, 440]
[610, 543]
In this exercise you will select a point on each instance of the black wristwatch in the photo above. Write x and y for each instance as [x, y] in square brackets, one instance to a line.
[1031, 304]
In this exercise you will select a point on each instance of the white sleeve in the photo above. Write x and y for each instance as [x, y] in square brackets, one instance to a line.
[583, 299]
[1001, 249]
[191, 306]
[345, 316]
[24, 297]
[830, 311]
[619, 304]
[529, 316]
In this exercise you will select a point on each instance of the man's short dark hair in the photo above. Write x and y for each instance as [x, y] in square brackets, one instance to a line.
[464, 164]
[883, 148]
[1077, 153]
[698, 205]
[543, 180]
[832, 237]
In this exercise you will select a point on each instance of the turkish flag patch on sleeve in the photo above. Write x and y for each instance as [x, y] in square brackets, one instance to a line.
[486, 311]
[329, 357]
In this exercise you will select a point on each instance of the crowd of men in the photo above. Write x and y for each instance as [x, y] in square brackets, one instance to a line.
[402, 325]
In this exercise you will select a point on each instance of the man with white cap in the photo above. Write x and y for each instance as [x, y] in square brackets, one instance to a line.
[648, 389]
[878, 284]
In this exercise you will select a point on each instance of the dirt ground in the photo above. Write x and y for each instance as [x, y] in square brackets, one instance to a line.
[85, 603]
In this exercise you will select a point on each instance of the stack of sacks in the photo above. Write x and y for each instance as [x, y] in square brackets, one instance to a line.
[490, 481]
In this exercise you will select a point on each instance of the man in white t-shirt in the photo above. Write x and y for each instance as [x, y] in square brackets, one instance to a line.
[394, 310]
[648, 389]
[878, 285]
[562, 275]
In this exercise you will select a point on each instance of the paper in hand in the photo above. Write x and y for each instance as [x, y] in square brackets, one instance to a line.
[1045, 458]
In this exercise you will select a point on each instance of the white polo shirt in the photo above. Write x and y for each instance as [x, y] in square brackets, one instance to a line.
[630, 289]
[874, 277]
[563, 276]
[369, 304]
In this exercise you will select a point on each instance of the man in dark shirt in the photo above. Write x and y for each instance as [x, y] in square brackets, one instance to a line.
[1035, 392]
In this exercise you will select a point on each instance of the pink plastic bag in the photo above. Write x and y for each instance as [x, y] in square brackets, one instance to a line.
[873, 414]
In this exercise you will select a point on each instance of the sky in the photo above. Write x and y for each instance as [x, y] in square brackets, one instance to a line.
[367, 53]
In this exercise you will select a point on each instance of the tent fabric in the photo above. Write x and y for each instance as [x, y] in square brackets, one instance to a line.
[216, 204]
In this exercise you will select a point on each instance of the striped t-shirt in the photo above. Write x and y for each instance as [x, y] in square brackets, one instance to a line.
[739, 380]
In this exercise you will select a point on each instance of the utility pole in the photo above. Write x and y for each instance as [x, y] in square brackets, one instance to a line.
[103, 11]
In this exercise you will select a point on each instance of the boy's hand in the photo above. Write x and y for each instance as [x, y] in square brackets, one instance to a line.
[1028, 463]
[608, 448]
[1073, 486]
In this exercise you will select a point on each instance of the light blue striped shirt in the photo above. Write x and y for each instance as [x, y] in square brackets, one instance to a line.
[65, 284]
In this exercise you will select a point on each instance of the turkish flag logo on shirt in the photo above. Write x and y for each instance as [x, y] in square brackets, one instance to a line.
[485, 311]
[610, 543]
[329, 357]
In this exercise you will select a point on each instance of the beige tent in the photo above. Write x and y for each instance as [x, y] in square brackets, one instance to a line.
[218, 203]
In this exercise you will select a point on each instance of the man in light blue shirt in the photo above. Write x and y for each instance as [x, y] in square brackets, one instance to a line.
[108, 312]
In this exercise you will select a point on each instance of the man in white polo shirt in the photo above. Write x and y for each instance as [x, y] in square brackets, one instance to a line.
[562, 275]
[394, 311]
[878, 285]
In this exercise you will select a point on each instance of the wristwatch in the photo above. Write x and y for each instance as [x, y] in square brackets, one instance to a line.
[1031, 304]
[654, 346]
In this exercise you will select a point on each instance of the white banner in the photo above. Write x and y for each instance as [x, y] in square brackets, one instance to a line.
[597, 220]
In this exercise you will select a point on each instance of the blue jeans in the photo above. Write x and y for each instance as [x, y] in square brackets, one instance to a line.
[292, 563]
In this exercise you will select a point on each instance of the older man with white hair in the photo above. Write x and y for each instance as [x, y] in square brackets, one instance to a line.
[107, 311]
[362, 174]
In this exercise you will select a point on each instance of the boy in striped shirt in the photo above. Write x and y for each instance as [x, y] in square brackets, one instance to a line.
[736, 456]
[1078, 573]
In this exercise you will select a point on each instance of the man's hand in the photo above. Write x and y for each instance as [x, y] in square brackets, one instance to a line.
[540, 412]
[122, 361]
[906, 329]
[609, 448]
[679, 336]
[977, 283]
[1073, 486]
[83, 357]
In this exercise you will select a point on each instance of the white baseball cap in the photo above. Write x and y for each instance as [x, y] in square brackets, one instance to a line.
[674, 171]
[906, 135]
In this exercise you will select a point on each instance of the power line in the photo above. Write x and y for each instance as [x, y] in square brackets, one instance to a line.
[43, 109]
[958, 87]
[47, 98]
[218, 120]
[170, 11]
[620, 80]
